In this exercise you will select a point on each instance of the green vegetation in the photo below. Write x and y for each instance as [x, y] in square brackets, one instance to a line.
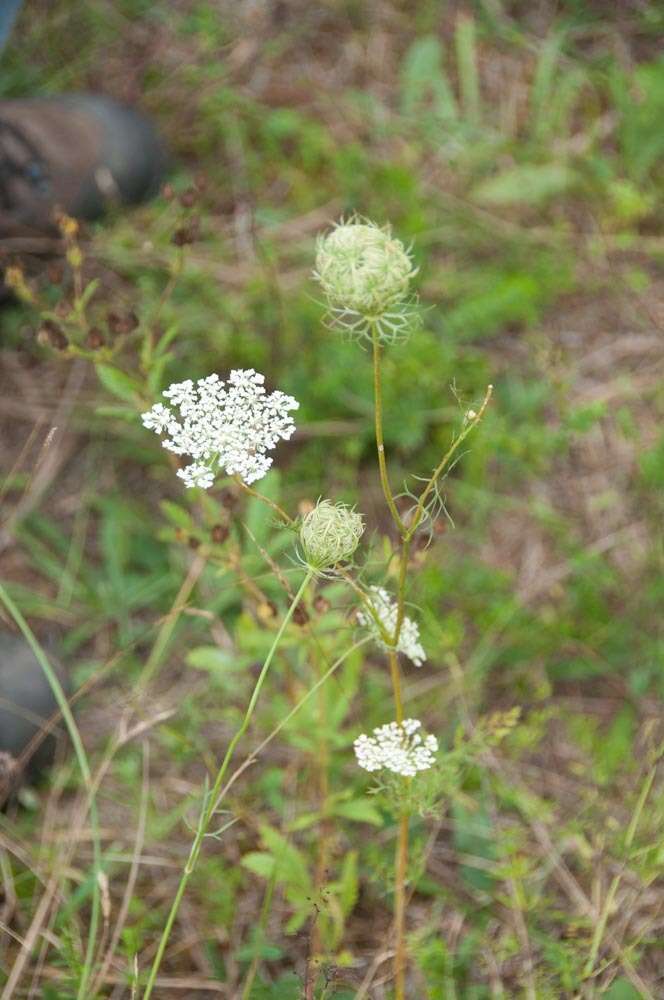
[520, 148]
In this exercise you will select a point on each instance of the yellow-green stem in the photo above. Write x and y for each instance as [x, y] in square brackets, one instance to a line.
[211, 799]
[378, 421]
[401, 865]
[401, 859]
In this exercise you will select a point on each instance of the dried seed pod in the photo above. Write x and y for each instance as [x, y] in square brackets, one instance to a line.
[187, 233]
[300, 615]
[51, 335]
[219, 534]
[188, 198]
[94, 339]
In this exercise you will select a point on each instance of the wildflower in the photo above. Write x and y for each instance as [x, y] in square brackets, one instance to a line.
[365, 273]
[330, 534]
[387, 611]
[223, 425]
[397, 747]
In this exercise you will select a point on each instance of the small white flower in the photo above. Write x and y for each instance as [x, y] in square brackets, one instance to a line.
[223, 425]
[398, 747]
[386, 609]
[197, 474]
[157, 419]
[329, 534]
[365, 274]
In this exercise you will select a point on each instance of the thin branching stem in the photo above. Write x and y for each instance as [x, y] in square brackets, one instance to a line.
[211, 798]
[283, 516]
[444, 462]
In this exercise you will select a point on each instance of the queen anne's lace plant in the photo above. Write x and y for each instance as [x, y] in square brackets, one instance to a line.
[398, 747]
[330, 534]
[365, 273]
[386, 609]
[223, 425]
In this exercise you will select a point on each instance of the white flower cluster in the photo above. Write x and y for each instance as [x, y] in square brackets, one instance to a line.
[397, 747]
[386, 609]
[223, 425]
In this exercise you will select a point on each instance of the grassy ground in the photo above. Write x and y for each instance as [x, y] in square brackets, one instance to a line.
[519, 146]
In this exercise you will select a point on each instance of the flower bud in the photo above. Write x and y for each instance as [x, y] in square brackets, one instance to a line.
[329, 534]
[363, 268]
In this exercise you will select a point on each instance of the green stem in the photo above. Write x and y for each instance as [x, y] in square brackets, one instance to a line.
[286, 518]
[401, 866]
[212, 798]
[79, 750]
[440, 468]
[401, 859]
[378, 421]
[600, 926]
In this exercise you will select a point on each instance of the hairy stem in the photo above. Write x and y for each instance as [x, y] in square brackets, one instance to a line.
[211, 800]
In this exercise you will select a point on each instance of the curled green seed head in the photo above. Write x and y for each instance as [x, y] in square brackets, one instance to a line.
[330, 534]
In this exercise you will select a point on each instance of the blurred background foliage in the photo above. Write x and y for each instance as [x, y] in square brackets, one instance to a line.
[520, 148]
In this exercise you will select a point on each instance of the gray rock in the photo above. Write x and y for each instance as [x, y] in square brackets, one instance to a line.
[26, 704]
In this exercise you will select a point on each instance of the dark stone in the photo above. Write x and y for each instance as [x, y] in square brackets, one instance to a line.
[26, 705]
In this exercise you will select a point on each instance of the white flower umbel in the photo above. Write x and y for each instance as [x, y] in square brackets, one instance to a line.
[386, 610]
[398, 747]
[223, 425]
[330, 534]
[365, 274]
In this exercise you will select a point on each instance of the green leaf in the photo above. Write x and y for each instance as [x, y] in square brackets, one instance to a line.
[125, 413]
[291, 863]
[118, 382]
[360, 811]
[348, 883]
[423, 81]
[180, 517]
[259, 863]
[215, 660]
[527, 184]
[621, 989]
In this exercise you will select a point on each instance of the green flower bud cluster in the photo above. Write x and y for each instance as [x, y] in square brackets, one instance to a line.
[365, 273]
[330, 534]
